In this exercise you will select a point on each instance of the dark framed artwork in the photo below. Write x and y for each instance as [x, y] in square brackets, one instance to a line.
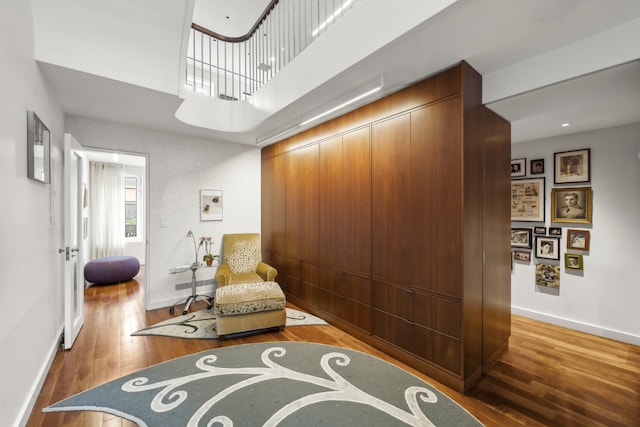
[518, 167]
[573, 261]
[548, 275]
[38, 149]
[572, 205]
[537, 166]
[578, 239]
[548, 248]
[210, 205]
[527, 199]
[572, 166]
[555, 231]
[521, 237]
[522, 256]
[540, 230]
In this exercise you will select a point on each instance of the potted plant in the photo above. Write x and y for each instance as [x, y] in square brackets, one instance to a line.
[208, 257]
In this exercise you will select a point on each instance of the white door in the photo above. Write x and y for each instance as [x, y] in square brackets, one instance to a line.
[73, 265]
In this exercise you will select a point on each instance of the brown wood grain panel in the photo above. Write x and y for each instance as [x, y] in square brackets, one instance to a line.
[356, 288]
[273, 203]
[497, 223]
[391, 243]
[474, 193]
[302, 203]
[330, 203]
[436, 198]
[356, 181]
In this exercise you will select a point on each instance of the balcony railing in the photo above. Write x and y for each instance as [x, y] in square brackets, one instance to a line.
[235, 68]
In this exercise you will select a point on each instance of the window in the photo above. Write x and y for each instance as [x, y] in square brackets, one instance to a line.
[132, 207]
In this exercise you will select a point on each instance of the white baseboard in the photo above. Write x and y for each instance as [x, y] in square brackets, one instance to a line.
[578, 326]
[27, 407]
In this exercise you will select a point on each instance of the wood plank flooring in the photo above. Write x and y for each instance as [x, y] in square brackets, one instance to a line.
[550, 376]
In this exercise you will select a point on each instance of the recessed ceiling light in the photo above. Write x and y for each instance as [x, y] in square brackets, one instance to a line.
[565, 125]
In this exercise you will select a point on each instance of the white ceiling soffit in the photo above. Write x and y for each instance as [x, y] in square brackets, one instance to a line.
[522, 48]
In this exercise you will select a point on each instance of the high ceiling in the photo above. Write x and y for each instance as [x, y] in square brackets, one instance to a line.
[544, 63]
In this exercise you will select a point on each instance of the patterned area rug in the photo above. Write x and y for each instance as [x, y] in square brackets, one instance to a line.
[202, 324]
[273, 384]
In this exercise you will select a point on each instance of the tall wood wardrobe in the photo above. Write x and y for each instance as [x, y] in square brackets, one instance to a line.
[392, 222]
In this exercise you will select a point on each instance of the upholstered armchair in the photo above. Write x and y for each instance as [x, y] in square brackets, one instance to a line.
[242, 261]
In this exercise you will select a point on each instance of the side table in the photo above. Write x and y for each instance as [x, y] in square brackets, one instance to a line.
[193, 297]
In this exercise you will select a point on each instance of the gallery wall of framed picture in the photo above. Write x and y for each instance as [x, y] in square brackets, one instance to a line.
[571, 204]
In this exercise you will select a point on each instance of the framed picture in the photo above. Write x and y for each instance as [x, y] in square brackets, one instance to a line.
[521, 238]
[572, 166]
[540, 230]
[522, 256]
[548, 248]
[573, 261]
[578, 239]
[548, 275]
[210, 205]
[571, 205]
[555, 231]
[527, 199]
[38, 149]
[537, 166]
[518, 167]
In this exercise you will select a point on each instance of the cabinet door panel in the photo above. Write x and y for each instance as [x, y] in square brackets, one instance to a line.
[391, 202]
[440, 349]
[302, 203]
[436, 198]
[356, 181]
[392, 299]
[437, 314]
[273, 203]
[330, 203]
[393, 329]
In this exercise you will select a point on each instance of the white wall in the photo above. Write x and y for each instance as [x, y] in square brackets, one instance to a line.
[603, 299]
[31, 283]
[179, 167]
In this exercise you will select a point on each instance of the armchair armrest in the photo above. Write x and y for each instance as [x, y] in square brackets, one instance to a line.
[267, 272]
[223, 274]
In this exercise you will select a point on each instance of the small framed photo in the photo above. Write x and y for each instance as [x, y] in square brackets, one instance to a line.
[572, 166]
[548, 248]
[555, 231]
[578, 239]
[571, 205]
[540, 230]
[210, 205]
[548, 275]
[573, 261]
[537, 166]
[518, 167]
[527, 199]
[521, 238]
[38, 149]
[522, 256]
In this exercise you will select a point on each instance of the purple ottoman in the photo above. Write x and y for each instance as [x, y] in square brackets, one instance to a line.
[112, 269]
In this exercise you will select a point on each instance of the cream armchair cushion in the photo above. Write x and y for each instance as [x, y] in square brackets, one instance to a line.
[242, 261]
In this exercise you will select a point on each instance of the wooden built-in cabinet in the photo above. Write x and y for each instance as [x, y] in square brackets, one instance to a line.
[392, 222]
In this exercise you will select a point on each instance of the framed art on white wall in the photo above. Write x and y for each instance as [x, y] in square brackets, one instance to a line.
[210, 205]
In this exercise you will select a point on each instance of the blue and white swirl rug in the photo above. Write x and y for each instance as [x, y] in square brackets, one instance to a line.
[273, 384]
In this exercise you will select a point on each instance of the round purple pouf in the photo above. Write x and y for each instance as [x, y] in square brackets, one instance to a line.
[112, 269]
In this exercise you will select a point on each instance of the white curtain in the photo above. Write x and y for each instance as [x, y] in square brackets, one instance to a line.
[107, 210]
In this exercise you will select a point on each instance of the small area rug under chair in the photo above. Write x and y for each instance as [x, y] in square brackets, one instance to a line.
[202, 324]
[282, 384]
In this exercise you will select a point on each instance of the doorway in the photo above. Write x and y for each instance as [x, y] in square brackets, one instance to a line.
[136, 191]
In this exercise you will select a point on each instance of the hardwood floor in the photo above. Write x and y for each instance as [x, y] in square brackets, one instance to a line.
[550, 376]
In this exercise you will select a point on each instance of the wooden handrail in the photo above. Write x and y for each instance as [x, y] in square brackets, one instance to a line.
[240, 38]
